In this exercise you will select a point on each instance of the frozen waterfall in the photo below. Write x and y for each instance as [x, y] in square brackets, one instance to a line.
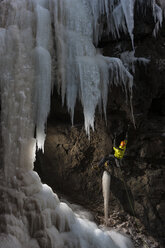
[35, 37]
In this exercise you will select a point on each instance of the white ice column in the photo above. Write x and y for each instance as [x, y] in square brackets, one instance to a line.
[17, 87]
[106, 180]
[43, 71]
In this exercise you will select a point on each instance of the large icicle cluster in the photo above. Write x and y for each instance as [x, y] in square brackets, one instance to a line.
[119, 17]
[83, 71]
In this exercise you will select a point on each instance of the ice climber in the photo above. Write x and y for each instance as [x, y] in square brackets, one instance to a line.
[119, 152]
[117, 157]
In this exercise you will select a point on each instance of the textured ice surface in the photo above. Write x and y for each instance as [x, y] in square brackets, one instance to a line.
[9, 241]
[36, 218]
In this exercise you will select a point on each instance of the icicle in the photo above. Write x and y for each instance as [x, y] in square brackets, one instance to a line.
[43, 72]
[43, 92]
[119, 21]
[104, 79]
[106, 179]
[99, 8]
[118, 15]
[89, 86]
[158, 16]
[128, 8]
[119, 75]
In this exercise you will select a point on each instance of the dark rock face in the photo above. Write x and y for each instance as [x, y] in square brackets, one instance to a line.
[70, 155]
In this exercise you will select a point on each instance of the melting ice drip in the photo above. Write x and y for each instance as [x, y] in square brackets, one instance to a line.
[31, 214]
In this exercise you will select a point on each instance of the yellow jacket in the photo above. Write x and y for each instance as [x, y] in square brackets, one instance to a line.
[119, 152]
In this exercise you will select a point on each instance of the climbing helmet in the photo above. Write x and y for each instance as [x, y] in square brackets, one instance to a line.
[123, 144]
